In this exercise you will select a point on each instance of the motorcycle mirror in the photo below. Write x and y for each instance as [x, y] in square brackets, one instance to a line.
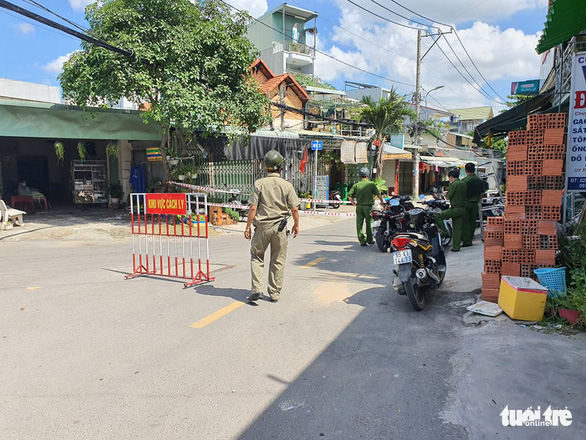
[421, 196]
[394, 202]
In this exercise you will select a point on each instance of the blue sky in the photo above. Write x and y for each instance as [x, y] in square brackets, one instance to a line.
[499, 35]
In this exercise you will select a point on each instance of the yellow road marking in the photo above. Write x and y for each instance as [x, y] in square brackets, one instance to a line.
[313, 263]
[217, 315]
[32, 288]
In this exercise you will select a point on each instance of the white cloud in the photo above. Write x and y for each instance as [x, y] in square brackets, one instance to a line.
[79, 5]
[501, 55]
[256, 8]
[26, 28]
[56, 66]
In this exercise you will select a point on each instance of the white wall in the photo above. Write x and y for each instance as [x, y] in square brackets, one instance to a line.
[29, 91]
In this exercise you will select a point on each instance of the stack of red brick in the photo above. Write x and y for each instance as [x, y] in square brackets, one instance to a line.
[525, 238]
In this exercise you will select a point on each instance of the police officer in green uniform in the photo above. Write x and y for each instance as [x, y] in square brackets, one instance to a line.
[362, 195]
[475, 188]
[457, 212]
[270, 203]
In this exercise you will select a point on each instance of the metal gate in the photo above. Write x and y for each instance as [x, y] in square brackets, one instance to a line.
[170, 236]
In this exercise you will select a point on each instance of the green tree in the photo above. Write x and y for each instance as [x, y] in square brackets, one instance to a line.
[515, 100]
[387, 116]
[190, 64]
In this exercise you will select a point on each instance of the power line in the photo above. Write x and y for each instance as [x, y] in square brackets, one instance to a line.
[50, 23]
[402, 16]
[38, 5]
[323, 53]
[462, 44]
[475, 86]
[472, 61]
[395, 53]
[381, 17]
[419, 15]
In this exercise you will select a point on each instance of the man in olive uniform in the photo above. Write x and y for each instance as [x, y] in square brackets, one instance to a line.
[475, 188]
[270, 203]
[457, 212]
[362, 195]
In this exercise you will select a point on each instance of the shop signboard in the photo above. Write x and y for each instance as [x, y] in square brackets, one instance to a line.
[576, 153]
[170, 204]
[530, 87]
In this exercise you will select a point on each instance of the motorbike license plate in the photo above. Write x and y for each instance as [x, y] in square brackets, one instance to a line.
[402, 257]
[376, 224]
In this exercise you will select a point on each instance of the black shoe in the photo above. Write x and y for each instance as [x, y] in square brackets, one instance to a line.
[467, 245]
[370, 243]
[362, 244]
[455, 250]
[254, 297]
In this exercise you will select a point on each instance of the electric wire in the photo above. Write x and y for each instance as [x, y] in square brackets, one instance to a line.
[324, 53]
[462, 44]
[40, 6]
[383, 18]
[67, 30]
[480, 88]
[474, 86]
[402, 16]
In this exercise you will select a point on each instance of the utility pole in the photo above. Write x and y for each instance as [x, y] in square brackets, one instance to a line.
[417, 112]
[282, 99]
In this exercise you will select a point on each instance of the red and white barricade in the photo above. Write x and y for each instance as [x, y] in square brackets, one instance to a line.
[170, 236]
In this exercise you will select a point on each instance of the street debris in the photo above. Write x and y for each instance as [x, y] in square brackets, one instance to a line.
[485, 308]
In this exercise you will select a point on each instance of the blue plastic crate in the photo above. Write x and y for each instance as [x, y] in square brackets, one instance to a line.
[554, 279]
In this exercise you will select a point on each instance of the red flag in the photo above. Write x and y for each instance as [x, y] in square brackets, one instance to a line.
[303, 161]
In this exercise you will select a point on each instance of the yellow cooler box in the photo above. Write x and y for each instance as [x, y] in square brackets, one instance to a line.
[522, 298]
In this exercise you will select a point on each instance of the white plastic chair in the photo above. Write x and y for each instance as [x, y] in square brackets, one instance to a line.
[7, 213]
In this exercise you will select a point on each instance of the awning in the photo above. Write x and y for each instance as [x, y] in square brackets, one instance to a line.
[565, 19]
[57, 121]
[445, 162]
[394, 153]
[515, 118]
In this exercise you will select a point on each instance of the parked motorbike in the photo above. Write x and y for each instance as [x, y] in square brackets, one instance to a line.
[419, 257]
[442, 205]
[336, 199]
[233, 200]
[389, 221]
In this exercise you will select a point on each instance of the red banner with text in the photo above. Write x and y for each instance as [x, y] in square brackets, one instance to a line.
[171, 204]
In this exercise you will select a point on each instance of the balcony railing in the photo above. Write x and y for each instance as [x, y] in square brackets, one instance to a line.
[293, 47]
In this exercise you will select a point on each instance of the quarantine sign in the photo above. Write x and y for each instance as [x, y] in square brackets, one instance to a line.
[576, 155]
[171, 204]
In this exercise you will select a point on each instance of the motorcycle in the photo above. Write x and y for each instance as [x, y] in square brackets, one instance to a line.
[233, 200]
[388, 221]
[336, 199]
[419, 257]
[442, 205]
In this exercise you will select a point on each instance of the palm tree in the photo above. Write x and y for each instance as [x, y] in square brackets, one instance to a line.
[387, 116]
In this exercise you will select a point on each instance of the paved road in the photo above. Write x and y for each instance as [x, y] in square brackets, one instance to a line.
[85, 354]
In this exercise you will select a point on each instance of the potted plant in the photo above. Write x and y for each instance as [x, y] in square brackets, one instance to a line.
[82, 151]
[59, 151]
[116, 193]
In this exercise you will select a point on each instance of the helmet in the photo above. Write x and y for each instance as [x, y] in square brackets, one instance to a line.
[364, 172]
[273, 160]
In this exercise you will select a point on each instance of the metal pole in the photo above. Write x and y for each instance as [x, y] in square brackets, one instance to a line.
[315, 182]
[417, 112]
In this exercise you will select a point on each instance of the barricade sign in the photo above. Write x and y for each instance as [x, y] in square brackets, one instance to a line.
[170, 236]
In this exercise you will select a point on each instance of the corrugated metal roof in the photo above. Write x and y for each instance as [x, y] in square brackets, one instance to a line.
[565, 19]
[473, 113]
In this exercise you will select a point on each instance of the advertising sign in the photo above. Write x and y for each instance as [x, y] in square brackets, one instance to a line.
[172, 204]
[576, 154]
[530, 87]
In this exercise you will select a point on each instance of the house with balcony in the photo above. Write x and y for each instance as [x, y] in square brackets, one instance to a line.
[285, 38]
[465, 120]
